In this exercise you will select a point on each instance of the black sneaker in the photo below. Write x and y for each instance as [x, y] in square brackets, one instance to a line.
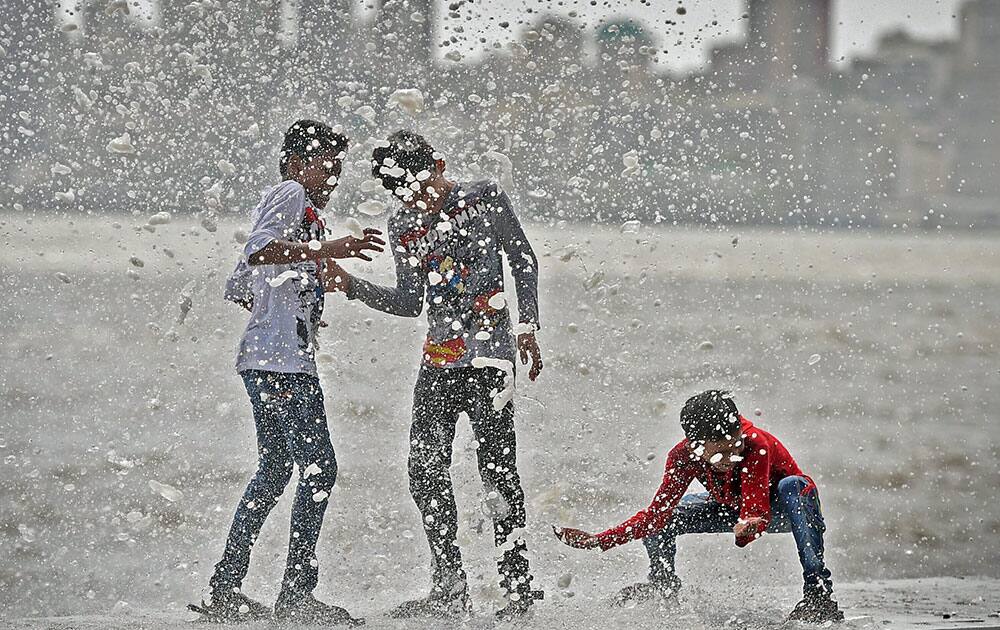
[519, 605]
[440, 604]
[310, 610]
[817, 606]
[231, 607]
[662, 593]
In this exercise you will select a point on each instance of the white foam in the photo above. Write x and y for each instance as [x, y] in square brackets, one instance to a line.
[121, 145]
[354, 227]
[282, 277]
[410, 100]
[166, 491]
[506, 168]
[225, 167]
[371, 207]
[497, 301]
[160, 218]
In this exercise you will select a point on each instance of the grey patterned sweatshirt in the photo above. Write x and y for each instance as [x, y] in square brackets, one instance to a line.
[453, 261]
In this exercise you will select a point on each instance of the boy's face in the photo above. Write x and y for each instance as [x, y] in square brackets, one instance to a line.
[425, 192]
[721, 455]
[319, 175]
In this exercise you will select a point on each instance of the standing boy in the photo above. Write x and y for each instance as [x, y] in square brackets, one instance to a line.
[754, 486]
[447, 240]
[278, 280]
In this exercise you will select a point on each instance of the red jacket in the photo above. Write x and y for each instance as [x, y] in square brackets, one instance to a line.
[766, 461]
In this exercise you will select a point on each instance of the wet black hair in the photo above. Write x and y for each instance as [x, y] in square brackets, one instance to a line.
[307, 139]
[710, 416]
[398, 163]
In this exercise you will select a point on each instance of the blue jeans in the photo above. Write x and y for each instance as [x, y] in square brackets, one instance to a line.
[791, 511]
[291, 429]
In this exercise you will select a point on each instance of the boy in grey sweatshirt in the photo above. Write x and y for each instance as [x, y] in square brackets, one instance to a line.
[447, 241]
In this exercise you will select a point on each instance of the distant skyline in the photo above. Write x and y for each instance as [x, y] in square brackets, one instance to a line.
[857, 24]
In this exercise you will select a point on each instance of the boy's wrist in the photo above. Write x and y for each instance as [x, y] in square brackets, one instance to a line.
[525, 328]
[331, 249]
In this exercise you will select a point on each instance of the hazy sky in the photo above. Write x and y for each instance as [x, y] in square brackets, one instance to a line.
[856, 23]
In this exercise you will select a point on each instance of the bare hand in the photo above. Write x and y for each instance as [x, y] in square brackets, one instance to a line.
[356, 247]
[576, 538]
[334, 277]
[749, 528]
[527, 345]
[353, 247]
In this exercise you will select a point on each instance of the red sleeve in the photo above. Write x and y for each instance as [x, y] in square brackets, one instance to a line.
[677, 476]
[755, 487]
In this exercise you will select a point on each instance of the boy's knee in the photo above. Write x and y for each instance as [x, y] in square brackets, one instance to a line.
[320, 474]
[273, 476]
[423, 471]
[499, 473]
[793, 484]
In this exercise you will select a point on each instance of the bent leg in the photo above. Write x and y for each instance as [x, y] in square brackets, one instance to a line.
[798, 510]
[497, 456]
[274, 469]
[435, 414]
[308, 438]
[694, 514]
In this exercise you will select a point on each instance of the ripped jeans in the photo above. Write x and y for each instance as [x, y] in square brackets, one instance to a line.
[291, 429]
[795, 508]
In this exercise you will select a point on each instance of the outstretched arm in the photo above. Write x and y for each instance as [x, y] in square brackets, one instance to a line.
[677, 476]
[277, 220]
[281, 252]
[406, 299]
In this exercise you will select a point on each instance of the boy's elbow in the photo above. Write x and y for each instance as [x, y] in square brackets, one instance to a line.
[256, 258]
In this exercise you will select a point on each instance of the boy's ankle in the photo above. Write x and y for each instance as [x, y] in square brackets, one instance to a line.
[289, 598]
[817, 590]
[666, 582]
[222, 592]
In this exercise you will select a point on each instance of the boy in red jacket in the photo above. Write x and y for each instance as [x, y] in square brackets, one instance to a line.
[754, 486]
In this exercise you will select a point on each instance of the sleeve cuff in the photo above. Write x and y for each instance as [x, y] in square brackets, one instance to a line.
[525, 328]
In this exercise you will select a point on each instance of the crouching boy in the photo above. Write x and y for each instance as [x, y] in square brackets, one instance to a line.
[754, 486]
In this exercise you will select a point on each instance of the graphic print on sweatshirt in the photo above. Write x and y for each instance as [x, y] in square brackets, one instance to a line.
[453, 261]
[453, 251]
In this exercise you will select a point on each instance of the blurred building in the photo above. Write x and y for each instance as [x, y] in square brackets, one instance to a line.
[768, 132]
[785, 40]
[973, 120]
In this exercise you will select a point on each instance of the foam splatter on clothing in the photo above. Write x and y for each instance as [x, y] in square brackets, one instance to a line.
[747, 488]
[452, 260]
[285, 301]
